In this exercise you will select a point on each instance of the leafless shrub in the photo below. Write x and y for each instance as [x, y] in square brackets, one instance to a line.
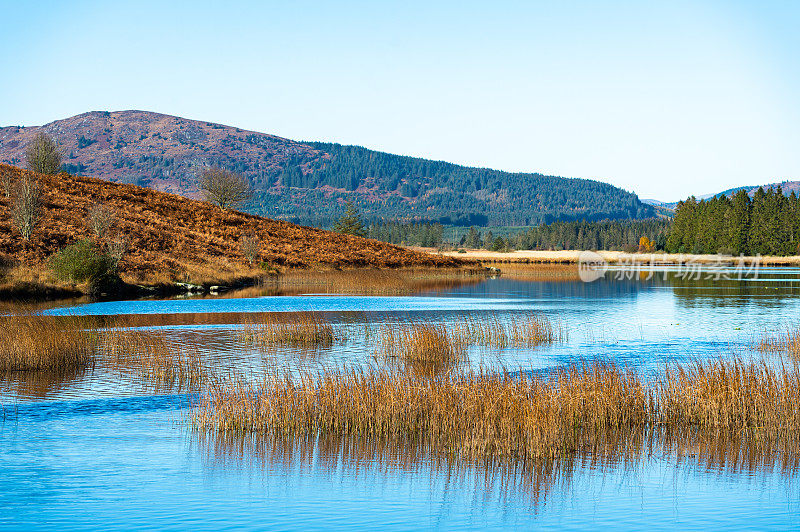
[6, 181]
[100, 219]
[27, 206]
[223, 187]
[250, 246]
[43, 155]
[117, 247]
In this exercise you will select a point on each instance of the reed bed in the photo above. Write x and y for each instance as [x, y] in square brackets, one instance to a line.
[34, 343]
[527, 330]
[153, 358]
[296, 329]
[422, 342]
[373, 281]
[786, 342]
[484, 416]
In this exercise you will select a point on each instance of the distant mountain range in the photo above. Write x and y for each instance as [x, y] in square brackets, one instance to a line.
[308, 182]
[786, 186]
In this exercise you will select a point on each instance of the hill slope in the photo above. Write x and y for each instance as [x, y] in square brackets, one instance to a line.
[172, 235]
[308, 182]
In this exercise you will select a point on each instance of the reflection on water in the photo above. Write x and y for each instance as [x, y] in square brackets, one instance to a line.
[104, 448]
[724, 454]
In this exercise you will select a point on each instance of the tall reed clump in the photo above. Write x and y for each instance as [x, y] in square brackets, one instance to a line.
[422, 342]
[526, 330]
[153, 358]
[30, 342]
[480, 416]
[786, 342]
[296, 329]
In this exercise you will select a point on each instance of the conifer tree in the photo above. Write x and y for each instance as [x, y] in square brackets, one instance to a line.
[350, 223]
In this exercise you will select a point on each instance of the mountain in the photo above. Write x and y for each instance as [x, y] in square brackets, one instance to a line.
[787, 186]
[308, 182]
[171, 236]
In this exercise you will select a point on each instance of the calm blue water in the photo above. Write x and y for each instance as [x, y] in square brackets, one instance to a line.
[101, 450]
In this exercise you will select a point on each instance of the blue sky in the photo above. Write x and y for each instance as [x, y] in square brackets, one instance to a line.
[663, 98]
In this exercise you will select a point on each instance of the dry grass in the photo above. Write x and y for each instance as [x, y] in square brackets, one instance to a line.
[371, 281]
[155, 360]
[787, 342]
[526, 330]
[296, 329]
[30, 343]
[421, 342]
[479, 416]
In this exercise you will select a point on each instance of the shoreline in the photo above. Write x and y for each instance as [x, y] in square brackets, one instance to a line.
[613, 257]
[37, 292]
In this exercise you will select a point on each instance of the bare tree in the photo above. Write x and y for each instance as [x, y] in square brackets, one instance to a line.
[43, 154]
[223, 187]
[100, 219]
[6, 180]
[250, 246]
[117, 247]
[27, 206]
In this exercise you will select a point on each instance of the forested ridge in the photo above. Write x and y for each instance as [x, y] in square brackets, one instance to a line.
[766, 224]
[310, 182]
[393, 187]
[606, 234]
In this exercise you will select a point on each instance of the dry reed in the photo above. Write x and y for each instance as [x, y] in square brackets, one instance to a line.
[479, 416]
[527, 330]
[421, 342]
[153, 358]
[787, 342]
[296, 329]
[30, 342]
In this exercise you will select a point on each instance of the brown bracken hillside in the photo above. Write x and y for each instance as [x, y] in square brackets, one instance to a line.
[169, 234]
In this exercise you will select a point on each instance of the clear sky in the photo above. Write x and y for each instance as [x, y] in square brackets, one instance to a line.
[663, 98]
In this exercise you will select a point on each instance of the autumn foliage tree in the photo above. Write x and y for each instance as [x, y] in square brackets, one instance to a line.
[646, 245]
[224, 188]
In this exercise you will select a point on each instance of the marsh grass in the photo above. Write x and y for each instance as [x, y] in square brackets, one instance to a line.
[447, 342]
[34, 343]
[478, 416]
[372, 281]
[421, 342]
[525, 330]
[786, 342]
[295, 329]
[153, 358]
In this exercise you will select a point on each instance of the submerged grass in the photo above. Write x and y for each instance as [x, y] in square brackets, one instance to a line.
[296, 329]
[786, 342]
[422, 342]
[479, 416]
[153, 358]
[416, 340]
[33, 343]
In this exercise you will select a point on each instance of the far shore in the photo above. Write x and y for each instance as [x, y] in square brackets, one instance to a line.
[612, 257]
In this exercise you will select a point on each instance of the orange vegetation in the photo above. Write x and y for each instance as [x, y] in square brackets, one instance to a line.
[182, 239]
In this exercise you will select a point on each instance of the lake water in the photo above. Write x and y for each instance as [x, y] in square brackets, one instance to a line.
[101, 449]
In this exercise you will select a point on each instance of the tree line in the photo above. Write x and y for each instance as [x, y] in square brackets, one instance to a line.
[437, 191]
[766, 224]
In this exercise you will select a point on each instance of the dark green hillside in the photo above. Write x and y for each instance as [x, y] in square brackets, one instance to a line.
[388, 186]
